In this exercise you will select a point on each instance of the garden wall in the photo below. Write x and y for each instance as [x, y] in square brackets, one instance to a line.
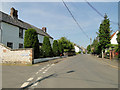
[16, 56]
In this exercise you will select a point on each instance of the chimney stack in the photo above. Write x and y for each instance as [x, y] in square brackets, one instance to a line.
[14, 13]
[44, 29]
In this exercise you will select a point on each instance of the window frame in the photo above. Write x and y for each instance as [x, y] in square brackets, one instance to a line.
[20, 32]
[20, 44]
[11, 46]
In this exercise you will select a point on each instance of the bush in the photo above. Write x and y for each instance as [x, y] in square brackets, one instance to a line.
[46, 47]
[61, 50]
[31, 41]
[79, 52]
[56, 48]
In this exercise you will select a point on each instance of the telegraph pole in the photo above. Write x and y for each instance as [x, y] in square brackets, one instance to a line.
[90, 43]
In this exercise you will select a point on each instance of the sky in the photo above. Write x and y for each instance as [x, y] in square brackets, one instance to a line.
[59, 22]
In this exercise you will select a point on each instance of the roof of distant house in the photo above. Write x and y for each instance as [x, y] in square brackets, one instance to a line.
[17, 22]
[113, 35]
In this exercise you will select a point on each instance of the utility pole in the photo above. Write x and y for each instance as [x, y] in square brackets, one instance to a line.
[90, 43]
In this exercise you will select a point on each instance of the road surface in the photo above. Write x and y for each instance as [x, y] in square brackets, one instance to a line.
[81, 71]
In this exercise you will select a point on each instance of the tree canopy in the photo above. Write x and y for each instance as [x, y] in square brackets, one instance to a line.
[104, 33]
[66, 44]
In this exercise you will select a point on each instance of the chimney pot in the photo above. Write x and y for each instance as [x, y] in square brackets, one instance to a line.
[44, 29]
[14, 13]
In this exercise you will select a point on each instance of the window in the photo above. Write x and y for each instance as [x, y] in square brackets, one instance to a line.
[20, 45]
[20, 33]
[10, 45]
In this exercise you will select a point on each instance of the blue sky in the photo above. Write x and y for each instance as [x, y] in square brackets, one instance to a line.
[58, 21]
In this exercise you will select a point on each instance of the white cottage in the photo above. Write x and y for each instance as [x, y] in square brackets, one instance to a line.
[78, 48]
[113, 38]
[12, 30]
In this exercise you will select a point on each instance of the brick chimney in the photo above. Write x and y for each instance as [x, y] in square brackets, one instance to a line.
[14, 13]
[44, 29]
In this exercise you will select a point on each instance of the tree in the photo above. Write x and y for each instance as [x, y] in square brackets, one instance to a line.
[61, 50]
[89, 49]
[104, 34]
[46, 47]
[31, 41]
[56, 48]
[66, 44]
[118, 40]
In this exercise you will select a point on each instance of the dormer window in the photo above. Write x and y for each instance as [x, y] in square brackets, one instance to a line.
[20, 33]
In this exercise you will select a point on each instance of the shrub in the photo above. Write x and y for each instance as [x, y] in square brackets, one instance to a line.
[31, 41]
[46, 47]
[56, 48]
[61, 50]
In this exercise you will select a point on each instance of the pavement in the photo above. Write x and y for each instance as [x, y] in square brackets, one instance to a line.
[47, 59]
[80, 71]
[113, 62]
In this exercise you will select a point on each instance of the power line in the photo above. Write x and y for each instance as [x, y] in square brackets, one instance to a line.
[74, 19]
[99, 12]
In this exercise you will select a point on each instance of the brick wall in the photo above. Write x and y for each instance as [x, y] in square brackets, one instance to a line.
[16, 56]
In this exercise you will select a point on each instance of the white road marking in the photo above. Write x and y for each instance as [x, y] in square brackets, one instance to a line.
[30, 79]
[48, 65]
[44, 72]
[35, 84]
[40, 70]
[52, 64]
[39, 78]
[37, 72]
[25, 84]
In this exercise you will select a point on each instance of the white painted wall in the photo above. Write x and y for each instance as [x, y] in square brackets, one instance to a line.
[0, 37]
[76, 49]
[40, 38]
[10, 33]
[113, 40]
[0, 33]
[51, 41]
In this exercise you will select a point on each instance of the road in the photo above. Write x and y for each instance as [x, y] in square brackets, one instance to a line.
[81, 71]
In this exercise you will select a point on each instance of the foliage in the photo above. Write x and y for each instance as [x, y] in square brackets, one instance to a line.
[89, 49]
[104, 34]
[61, 50]
[46, 47]
[83, 52]
[66, 44]
[56, 48]
[118, 40]
[79, 52]
[31, 41]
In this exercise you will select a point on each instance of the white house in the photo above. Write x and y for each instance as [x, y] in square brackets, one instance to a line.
[12, 30]
[78, 48]
[113, 38]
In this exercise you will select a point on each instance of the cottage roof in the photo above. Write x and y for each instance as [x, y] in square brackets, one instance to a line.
[113, 34]
[17, 22]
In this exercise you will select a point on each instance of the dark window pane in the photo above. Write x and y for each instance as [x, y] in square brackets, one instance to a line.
[20, 33]
[10, 45]
[20, 45]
